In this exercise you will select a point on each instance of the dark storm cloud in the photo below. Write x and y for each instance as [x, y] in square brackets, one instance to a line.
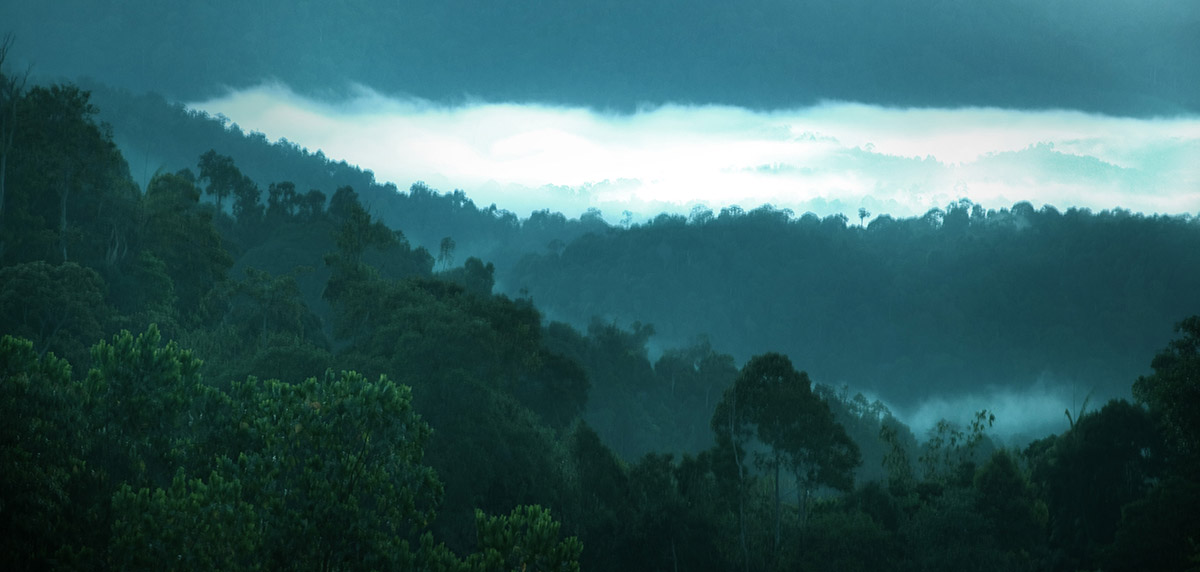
[1121, 57]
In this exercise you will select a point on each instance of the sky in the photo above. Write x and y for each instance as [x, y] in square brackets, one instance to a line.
[826, 158]
[828, 106]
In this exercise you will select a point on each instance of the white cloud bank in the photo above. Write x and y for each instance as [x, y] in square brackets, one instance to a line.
[1022, 413]
[829, 158]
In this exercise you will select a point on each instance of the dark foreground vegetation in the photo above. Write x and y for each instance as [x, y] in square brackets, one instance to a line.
[203, 374]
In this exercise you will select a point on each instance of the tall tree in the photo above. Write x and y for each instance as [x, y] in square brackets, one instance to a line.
[60, 308]
[179, 231]
[1107, 460]
[526, 539]
[246, 206]
[336, 465]
[773, 405]
[446, 252]
[43, 458]
[1173, 391]
[71, 196]
[222, 175]
[311, 205]
[281, 201]
[358, 232]
[11, 89]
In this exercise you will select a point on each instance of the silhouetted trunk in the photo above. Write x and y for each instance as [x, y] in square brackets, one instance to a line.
[741, 484]
[674, 556]
[8, 126]
[802, 499]
[6, 143]
[3, 173]
[778, 502]
[62, 221]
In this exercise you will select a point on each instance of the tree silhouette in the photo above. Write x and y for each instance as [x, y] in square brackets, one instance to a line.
[222, 176]
[772, 404]
[1173, 391]
[446, 252]
[11, 90]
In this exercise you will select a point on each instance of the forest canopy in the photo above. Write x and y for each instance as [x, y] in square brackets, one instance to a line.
[206, 370]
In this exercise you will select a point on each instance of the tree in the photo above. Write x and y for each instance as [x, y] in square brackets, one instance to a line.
[311, 205]
[344, 202]
[222, 176]
[1006, 501]
[180, 232]
[70, 197]
[139, 392]
[358, 231]
[949, 534]
[194, 524]
[895, 460]
[335, 465]
[265, 305]
[324, 474]
[446, 252]
[690, 382]
[863, 213]
[700, 215]
[949, 454]
[474, 276]
[11, 92]
[246, 207]
[60, 308]
[772, 404]
[1173, 391]
[526, 539]
[1107, 460]
[1160, 532]
[282, 201]
[43, 458]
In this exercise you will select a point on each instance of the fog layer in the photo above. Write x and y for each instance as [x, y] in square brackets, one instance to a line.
[830, 158]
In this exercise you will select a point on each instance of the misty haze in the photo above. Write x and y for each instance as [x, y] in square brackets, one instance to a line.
[603, 285]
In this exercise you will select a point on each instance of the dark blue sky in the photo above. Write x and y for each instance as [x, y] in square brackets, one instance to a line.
[765, 65]
[1119, 57]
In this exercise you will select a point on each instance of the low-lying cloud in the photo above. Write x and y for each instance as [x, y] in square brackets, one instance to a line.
[1023, 412]
[830, 158]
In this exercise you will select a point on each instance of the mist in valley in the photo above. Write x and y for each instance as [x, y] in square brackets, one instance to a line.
[604, 285]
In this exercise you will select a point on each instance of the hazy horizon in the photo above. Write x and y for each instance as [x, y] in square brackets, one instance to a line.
[830, 158]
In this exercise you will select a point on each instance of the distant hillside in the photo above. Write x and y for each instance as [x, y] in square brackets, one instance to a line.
[953, 301]
[157, 135]
[948, 303]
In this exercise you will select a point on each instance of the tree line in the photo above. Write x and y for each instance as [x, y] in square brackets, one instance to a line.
[290, 383]
[954, 301]
[1073, 296]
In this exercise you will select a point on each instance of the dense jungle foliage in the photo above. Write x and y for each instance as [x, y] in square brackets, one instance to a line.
[212, 373]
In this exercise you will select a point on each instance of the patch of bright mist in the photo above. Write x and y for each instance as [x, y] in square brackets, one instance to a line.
[1022, 414]
[827, 159]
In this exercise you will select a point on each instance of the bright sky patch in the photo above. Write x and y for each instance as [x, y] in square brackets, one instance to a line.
[830, 158]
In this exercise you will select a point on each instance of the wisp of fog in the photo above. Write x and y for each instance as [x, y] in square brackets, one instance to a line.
[831, 158]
